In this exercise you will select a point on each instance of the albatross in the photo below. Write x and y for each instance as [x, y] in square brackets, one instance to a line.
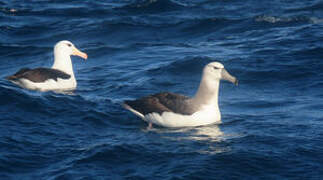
[60, 77]
[175, 110]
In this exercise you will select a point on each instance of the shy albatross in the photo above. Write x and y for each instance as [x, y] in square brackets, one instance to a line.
[174, 110]
[60, 77]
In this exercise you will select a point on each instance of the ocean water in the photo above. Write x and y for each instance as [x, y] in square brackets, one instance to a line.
[272, 123]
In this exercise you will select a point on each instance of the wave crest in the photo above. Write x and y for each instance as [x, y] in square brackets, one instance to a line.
[296, 19]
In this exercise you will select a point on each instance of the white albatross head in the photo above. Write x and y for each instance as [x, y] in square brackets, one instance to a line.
[216, 71]
[62, 56]
[208, 91]
[66, 48]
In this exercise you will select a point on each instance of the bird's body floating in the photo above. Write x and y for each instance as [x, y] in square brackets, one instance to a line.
[175, 110]
[59, 77]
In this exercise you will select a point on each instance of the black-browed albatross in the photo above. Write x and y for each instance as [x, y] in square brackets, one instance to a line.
[174, 110]
[60, 77]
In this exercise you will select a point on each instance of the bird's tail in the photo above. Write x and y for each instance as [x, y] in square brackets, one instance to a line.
[126, 106]
[17, 74]
[12, 78]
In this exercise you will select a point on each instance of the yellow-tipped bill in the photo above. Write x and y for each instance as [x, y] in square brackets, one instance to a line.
[77, 52]
[229, 77]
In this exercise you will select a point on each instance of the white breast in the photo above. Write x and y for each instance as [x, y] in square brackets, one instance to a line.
[206, 116]
[49, 85]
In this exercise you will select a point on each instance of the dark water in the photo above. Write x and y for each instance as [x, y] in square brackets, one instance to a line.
[272, 122]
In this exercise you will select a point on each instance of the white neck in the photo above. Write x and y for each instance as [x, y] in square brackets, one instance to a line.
[207, 93]
[63, 62]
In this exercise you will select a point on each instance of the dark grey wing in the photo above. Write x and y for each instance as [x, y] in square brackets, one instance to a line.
[177, 103]
[161, 102]
[146, 105]
[39, 74]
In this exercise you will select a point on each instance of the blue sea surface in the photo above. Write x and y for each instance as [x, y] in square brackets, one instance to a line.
[272, 123]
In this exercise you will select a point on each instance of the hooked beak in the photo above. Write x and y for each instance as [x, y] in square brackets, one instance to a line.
[228, 77]
[79, 53]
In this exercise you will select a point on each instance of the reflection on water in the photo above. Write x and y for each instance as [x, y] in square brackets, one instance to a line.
[203, 133]
[69, 92]
[209, 139]
[207, 133]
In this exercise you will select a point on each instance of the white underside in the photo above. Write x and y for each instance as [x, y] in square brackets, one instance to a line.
[48, 85]
[209, 115]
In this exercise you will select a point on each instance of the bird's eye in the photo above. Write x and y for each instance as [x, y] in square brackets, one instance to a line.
[69, 45]
[214, 67]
